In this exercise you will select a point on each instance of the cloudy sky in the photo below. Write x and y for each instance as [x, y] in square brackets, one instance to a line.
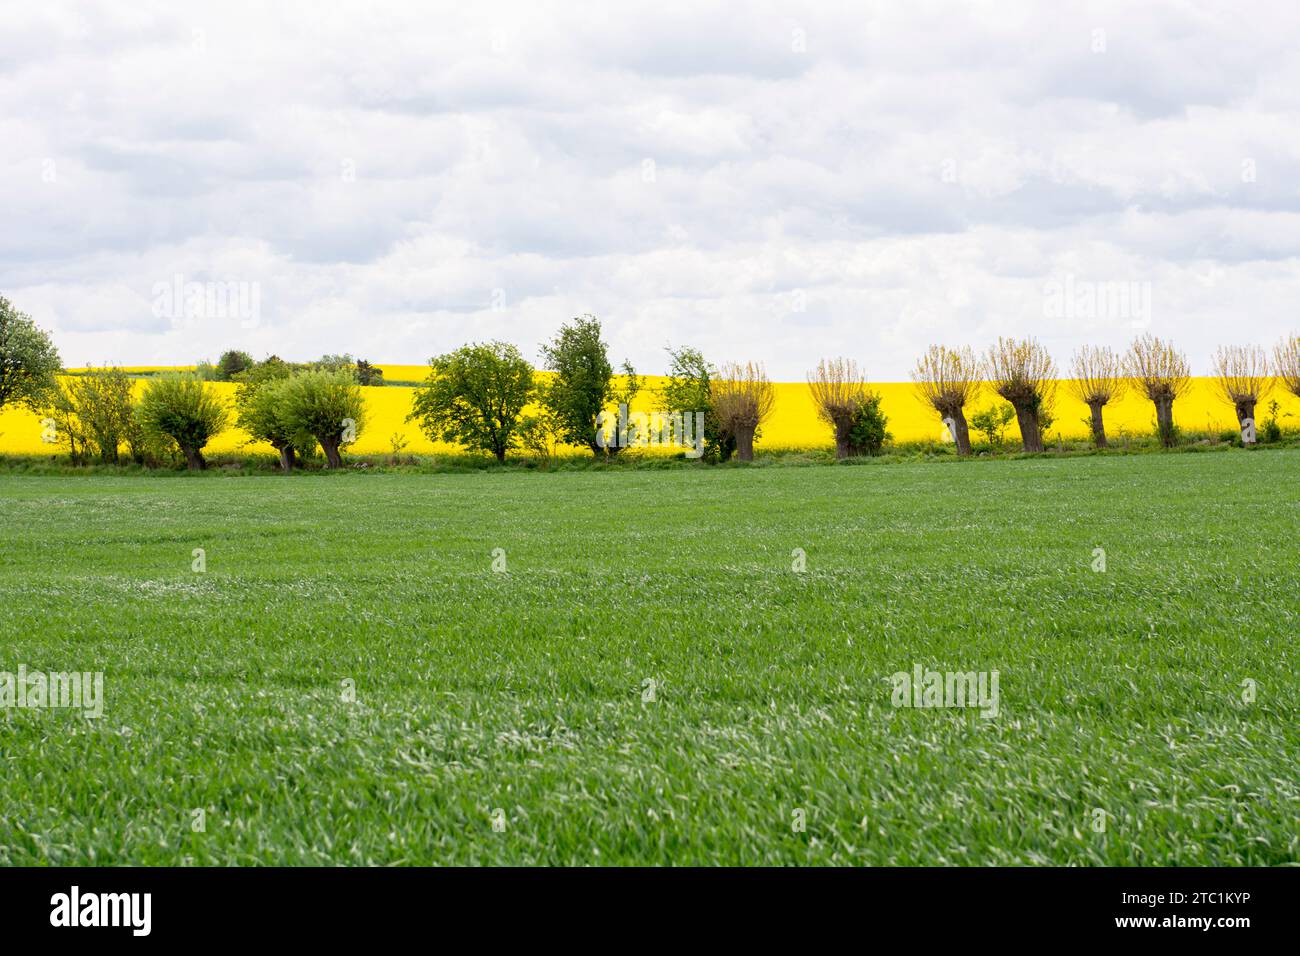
[765, 181]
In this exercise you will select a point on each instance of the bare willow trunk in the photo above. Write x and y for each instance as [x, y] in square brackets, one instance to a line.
[1246, 410]
[1027, 418]
[194, 459]
[843, 445]
[1098, 424]
[745, 442]
[960, 430]
[963, 432]
[286, 459]
[1165, 419]
[331, 448]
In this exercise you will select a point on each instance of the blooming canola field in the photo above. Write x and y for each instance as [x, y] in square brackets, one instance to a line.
[794, 423]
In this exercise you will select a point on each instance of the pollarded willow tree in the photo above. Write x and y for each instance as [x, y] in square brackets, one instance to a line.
[1286, 363]
[263, 409]
[184, 409]
[743, 399]
[1098, 380]
[1022, 372]
[839, 390]
[261, 405]
[1161, 371]
[947, 379]
[326, 406]
[1243, 378]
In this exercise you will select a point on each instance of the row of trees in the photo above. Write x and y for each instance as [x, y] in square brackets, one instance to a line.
[235, 363]
[295, 410]
[476, 397]
[488, 397]
[97, 418]
[1024, 373]
[95, 415]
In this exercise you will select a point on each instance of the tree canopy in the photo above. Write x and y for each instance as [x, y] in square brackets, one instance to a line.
[29, 362]
[475, 397]
[185, 409]
[584, 384]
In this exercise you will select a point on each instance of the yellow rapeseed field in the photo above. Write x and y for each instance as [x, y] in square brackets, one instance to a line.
[794, 423]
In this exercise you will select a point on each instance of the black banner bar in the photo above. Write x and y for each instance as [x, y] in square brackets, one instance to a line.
[337, 905]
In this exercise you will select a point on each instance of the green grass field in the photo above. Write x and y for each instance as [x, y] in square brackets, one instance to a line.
[478, 690]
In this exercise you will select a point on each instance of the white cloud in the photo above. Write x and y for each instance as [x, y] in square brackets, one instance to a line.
[758, 180]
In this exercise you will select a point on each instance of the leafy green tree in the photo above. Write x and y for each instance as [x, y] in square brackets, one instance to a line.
[68, 429]
[1272, 431]
[540, 432]
[361, 370]
[689, 388]
[232, 363]
[334, 363]
[184, 409]
[148, 448]
[207, 372]
[584, 383]
[269, 369]
[29, 362]
[103, 404]
[369, 375]
[1046, 419]
[869, 431]
[475, 396]
[327, 406]
[261, 404]
[993, 422]
[94, 414]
